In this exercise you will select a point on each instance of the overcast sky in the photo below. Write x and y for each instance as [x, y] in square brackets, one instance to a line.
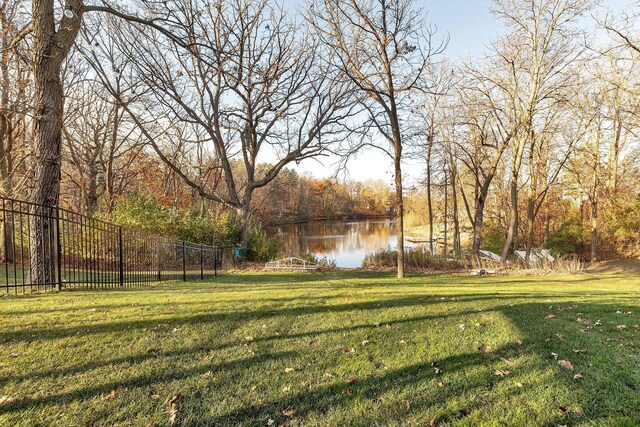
[471, 28]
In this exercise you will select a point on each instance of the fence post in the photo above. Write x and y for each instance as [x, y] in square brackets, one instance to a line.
[184, 262]
[58, 249]
[120, 258]
[158, 253]
[201, 262]
[215, 262]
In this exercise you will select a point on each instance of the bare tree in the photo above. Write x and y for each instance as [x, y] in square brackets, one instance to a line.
[540, 48]
[486, 133]
[384, 47]
[14, 110]
[244, 79]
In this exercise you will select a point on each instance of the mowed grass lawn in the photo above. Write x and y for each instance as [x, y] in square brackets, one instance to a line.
[327, 349]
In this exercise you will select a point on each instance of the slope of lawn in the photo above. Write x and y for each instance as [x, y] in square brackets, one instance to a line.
[327, 349]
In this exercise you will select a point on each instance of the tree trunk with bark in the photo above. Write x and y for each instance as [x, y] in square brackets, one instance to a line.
[50, 48]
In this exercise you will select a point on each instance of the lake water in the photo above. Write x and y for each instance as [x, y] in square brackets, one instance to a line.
[346, 242]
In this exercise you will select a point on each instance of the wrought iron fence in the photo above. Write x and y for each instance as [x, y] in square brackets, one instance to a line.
[51, 248]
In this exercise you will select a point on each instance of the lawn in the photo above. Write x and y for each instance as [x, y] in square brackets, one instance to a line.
[327, 349]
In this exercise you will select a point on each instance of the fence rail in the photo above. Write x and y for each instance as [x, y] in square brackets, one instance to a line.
[51, 248]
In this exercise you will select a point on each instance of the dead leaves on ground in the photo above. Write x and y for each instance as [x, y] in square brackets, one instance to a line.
[119, 390]
[172, 408]
[565, 364]
[436, 368]
[6, 400]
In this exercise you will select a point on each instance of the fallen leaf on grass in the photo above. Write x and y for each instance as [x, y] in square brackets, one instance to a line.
[579, 351]
[501, 373]
[569, 410]
[560, 336]
[585, 330]
[433, 422]
[249, 338]
[172, 408]
[565, 364]
[577, 376]
[485, 349]
[598, 323]
[551, 316]
[58, 345]
[365, 342]
[289, 412]
[352, 381]
[287, 370]
[582, 320]
[121, 389]
[348, 350]
[622, 327]
[555, 356]
[6, 400]
[506, 360]
[436, 368]
[270, 422]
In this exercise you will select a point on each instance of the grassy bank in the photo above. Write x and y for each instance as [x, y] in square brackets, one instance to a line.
[341, 348]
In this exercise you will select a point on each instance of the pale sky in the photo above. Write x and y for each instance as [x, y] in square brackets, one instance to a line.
[471, 28]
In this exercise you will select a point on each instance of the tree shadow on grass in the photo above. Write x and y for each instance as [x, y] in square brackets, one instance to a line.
[616, 394]
[612, 399]
[56, 333]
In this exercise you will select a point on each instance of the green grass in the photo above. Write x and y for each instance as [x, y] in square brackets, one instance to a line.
[117, 357]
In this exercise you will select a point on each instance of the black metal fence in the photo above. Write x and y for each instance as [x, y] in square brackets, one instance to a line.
[51, 248]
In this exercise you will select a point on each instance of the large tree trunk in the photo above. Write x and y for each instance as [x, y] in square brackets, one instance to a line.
[478, 220]
[456, 221]
[50, 48]
[531, 209]
[513, 222]
[594, 230]
[399, 212]
[429, 199]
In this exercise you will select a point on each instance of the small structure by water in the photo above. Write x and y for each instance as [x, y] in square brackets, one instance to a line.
[291, 263]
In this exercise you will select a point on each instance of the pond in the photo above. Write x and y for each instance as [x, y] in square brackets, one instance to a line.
[346, 242]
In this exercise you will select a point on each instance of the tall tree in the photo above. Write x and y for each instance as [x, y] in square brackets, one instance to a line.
[541, 46]
[384, 47]
[246, 81]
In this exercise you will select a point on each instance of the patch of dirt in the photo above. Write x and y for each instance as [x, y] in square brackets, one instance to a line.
[629, 266]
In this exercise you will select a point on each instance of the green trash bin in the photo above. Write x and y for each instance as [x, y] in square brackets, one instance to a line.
[240, 254]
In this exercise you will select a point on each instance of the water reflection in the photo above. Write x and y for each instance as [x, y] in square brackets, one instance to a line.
[346, 242]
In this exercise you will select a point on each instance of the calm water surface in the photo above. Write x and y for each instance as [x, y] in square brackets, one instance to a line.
[346, 242]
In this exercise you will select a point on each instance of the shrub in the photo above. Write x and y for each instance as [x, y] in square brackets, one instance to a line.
[493, 237]
[417, 259]
[567, 239]
[261, 247]
[194, 225]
